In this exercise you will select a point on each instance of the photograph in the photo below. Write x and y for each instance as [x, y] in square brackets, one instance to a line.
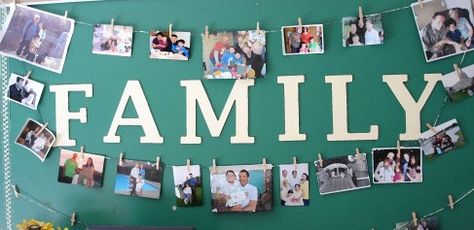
[37, 37]
[343, 173]
[81, 168]
[445, 27]
[187, 185]
[113, 40]
[176, 46]
[24, 91]
[241, 188]
[428, 223]
[294, 184]
[391, 166]
[364, 31]
[304, 39]
[234, 55]
[35, 137]
[459, 84]
[448, 136]
[138, 178]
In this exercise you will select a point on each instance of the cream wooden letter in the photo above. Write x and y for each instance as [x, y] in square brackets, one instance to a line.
[292, 110]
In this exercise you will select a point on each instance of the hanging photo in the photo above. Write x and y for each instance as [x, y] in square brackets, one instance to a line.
[176, 46]
[364, 31]
[36, 138]
[241, 188]
[448, 136]
[294, 185]
[37, 37]
[445, 27]
[187, 185]
[113, 40]
[430, 223]
[24, 91]
[344, 173]
[459, 85]
[138, 178]
[234, 55]
[304, 39]
[81, 168]
[392, 166]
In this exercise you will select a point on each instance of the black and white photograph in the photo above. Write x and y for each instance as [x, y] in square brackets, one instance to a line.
[35, 137]
[174, 46]
[294, 184]
[445, 27]
[343, 173]
[304, 39]
[37, 37]
[459, 84]
[428, 223]
[188, 185]
[393, 166]
[442, 138]
[115, 40]
[365, 31]
[24, 91]
[80, 168]
[138, 178]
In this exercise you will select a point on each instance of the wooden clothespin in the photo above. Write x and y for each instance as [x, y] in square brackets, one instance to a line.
[157, 163]
[206, 31]
[112, 24]
[43, 127]
[28, 75]
[451, 203]
[16, 192]
[65, 15]
[320, 160]
[264, 164]
[170, 29]
[415, 220]
[214, 167]
[299, 22]
[295, 164]
[361, 14]
[421, 3]
[358, 155]
[188, 165]
[82, 148]
[399, 152]
[456, 69]
[431, 128]
[73, 219]
[258, 27]
[120, 159]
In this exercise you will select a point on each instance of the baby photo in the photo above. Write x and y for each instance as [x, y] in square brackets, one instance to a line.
[364, 31]
[294, 185]
[138, 178]
[24, 91]
[176, 46]
[241, 188]
[344, 173]
[459, 84]
[80, 168]
[392, 166]
[187, 185]
[113, 40]
[35, 137]
[445, 27]
[234, 55]
[36, 37]
[304, 39]
[448, 136]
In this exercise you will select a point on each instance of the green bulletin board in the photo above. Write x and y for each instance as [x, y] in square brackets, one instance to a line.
[370, 101]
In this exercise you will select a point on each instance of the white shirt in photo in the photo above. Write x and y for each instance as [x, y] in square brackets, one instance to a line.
[135, 171]
[39, 144]
[293, 181]
[251, 194]
[372, 37]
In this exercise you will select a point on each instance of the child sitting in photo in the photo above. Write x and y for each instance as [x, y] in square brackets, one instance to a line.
[454, 34]
[228, 55]
[179, 48]
[140, 183]
[33, 48]
[304, 48]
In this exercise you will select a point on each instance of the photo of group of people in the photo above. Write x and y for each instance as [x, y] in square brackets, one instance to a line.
[241, 188]
[294, 185]
[448, 136]
[80, 168]
[24, 91]
[138, 178]
[187, 185]
[176, 46]
[304, 39]
[36, 138]
[37, 37]
[428, 223]
[459, 84]
[445, 27]
[362, 31]
[393, 166]
[112, 39]
[234, 55]
[343, 173]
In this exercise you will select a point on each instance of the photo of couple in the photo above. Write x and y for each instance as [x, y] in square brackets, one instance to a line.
[234, 55]
[294, 185]
[460, 83]
[393, 166]
[36, 138]
[445, 27]
[24, 91]
[187, 185]
[138, 178]
[357, 31]
[448, 136]
[80, 168]
[304, 39]
[113, 40]
[36, 37]
[176, 46]
[241, 188]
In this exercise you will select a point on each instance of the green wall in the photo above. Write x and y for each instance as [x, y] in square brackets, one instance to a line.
[370, 101]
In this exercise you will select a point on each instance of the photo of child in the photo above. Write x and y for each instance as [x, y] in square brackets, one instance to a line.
[392, 166]
[176, 46]
[304, 39]
[187, 185]
[113, 40]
